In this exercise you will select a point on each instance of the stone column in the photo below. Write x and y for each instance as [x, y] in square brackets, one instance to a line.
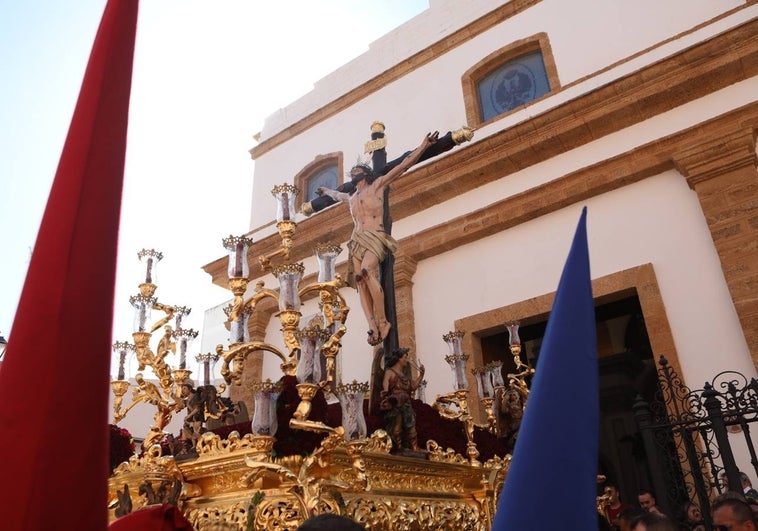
[405, 268]
[722, 171]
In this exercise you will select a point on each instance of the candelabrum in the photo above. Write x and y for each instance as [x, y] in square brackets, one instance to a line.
[488, 379]
[517, 380]
[309, 354]
[459, 396]
[310, 349]
[166, 396]
[504, 403]
[511, 396]
[285, 195]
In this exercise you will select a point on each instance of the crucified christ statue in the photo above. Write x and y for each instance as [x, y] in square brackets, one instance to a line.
[370, 242]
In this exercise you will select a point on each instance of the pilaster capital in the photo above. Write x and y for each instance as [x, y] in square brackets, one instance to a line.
[719, 155]
[405, 268]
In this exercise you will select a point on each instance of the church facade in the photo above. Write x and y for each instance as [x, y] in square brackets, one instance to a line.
[646, 114]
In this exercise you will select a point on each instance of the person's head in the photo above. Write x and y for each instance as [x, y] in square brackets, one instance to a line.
[646, 499]
[613, 492]
[692, 512]
[360, 172]
[187, 388]
[653, 522]
[330, 522]
[627, 516]
[724, 480]
[732, 514]
[745, 481]
[396, 355]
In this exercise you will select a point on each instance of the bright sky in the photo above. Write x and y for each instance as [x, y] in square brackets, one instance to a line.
[206, 75]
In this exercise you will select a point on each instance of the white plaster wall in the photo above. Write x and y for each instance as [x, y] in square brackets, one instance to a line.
[586, 36]
[657, 220]
[214, 331]
[404, 105]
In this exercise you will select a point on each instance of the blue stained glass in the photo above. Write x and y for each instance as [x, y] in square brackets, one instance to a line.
[326, 177]
[513, 84]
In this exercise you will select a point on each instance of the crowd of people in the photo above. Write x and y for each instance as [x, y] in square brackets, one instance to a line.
[734, 510]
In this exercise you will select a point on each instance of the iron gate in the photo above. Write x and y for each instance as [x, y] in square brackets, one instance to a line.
[686, 436]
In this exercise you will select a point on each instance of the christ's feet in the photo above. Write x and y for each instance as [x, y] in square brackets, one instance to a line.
[384, 328]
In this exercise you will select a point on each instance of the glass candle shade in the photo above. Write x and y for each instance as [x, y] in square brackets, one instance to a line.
[327, 260]
[456, 359]
[513, 337]
[421, 391]
[238, 330]
[289, 276]
[142, 307]
[149, 259]
[206, 367]
[483, 381]
[179, 313]
[453, 340]
[351, 397]
[309, 364]
[237, 247]
[264, 417]
[285, 195]
[496, 370]
[122, 351]
[183, 341]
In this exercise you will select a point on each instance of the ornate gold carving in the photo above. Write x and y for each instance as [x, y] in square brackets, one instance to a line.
[286, 230]
[238, 286]
[410, 513]
[459, 398]
[372, 513]
[436, 453]
[147, 289]
[464, 134]
[379, 442]
[290, 320]
[151, 463]
[212, 444]
[306, 391]
[219, 518]
[223, 483]
[404, 481]
[281, 514]
[377, 143]
[447, 492]
[373, 145]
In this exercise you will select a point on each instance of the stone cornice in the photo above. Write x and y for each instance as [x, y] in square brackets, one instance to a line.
[627, 168]
[722, 61]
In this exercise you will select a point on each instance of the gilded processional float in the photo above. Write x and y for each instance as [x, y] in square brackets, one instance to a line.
[235, 481]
